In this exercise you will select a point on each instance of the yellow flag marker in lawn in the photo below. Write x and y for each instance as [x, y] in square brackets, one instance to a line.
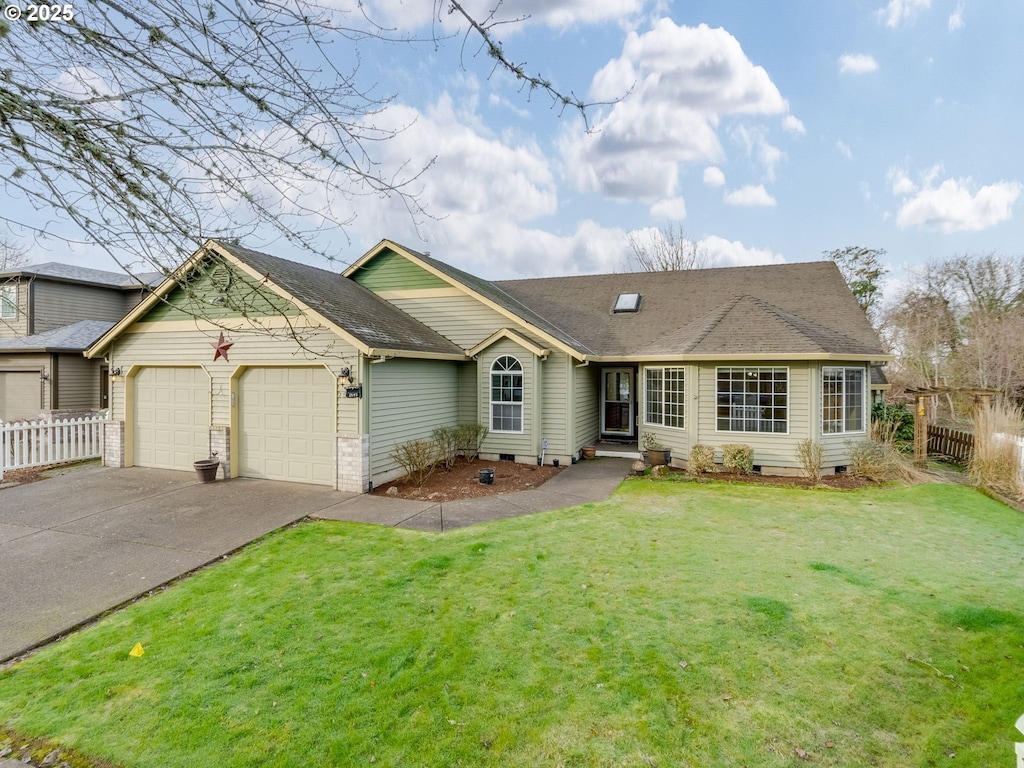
[136, 651]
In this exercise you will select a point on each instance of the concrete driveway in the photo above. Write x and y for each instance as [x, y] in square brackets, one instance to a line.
[85, 541]
[88, 539]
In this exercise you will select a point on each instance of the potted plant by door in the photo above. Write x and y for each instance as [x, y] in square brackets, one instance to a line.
[655, 453]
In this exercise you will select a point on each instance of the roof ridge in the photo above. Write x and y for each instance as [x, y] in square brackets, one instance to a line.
[785, 316]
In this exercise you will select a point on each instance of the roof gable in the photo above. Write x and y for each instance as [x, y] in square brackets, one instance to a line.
[390, 271]
[371, 324]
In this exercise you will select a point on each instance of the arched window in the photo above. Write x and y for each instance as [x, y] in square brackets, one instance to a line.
[507, 395]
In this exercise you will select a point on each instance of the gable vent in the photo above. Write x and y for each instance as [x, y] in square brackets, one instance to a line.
[627, 302]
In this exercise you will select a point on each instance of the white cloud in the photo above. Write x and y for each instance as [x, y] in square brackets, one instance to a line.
[793, 124]
[714, 177]
[755, 142]
[857, 64]
[750, 196]
[670, 209]
[899, 11]
[732, 253]
[844, 150]
[953, 205]
[956, 18]
[899, 181]
[680, 82]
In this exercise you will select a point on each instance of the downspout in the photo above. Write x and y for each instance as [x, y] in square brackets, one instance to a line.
[30, 308]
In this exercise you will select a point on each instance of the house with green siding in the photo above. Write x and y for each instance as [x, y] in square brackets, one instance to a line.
[291, 372]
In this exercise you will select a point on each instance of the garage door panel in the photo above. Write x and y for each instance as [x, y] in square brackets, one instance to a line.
[172, 417]
[286, 424]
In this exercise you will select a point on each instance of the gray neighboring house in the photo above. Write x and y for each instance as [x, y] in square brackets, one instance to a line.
[49, 314]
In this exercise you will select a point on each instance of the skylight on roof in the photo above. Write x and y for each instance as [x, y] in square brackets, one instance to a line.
[627, 302]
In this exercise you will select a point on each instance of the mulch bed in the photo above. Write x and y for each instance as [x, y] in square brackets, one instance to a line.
[463, 481]
[21, 476]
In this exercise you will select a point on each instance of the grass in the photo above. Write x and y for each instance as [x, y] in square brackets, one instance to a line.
[673, 625]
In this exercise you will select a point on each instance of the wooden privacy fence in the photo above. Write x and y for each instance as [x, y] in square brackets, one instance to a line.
[953, 443]
[41, 443]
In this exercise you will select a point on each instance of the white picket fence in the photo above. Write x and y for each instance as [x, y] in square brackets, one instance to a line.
[27, 444]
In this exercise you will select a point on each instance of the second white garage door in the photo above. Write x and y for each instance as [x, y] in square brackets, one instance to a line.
[286, 426]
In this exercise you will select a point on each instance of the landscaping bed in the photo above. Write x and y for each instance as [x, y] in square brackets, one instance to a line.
[462, 481]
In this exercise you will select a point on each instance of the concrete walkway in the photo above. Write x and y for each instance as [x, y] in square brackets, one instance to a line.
[89, 539]
[581, 483]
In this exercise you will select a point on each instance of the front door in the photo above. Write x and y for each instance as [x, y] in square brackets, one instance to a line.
[618, 403]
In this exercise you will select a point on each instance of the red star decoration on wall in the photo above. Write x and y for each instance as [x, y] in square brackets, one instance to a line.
[220, 348]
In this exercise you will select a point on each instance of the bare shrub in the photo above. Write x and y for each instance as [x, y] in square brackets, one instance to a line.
[418, 458]
[996, 461]
[811, 456]
[882, 462]
[469, 438]
[738, 457]
[446, 440]
[702, 459]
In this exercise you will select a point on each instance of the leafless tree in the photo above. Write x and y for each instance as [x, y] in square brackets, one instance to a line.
[665, 249]
[152, 125]
[12, 254]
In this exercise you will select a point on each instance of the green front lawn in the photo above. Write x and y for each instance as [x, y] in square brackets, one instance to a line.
[673, 625]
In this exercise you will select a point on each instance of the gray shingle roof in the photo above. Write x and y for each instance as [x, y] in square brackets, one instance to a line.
[68, 338]
[784, 308]
[73, 273]
[344, 302]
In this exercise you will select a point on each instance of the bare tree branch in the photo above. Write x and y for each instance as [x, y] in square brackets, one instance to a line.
[665, 249]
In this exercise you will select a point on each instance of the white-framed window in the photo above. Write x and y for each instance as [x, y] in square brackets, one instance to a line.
[842, 400]
[753, 399]
[665, 397]
[8, 301]
[507, 395]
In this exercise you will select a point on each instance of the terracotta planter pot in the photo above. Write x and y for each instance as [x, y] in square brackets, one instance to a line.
[657, 457]
[588, 451]
[206, 469]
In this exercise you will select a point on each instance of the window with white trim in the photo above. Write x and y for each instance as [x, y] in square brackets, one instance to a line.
[8, 301]
[842, 400]
[665, 397]
[753, 400]
[507, 395]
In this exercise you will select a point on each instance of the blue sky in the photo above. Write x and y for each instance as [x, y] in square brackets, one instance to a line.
[769, 131]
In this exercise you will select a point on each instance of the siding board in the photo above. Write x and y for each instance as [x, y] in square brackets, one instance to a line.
[60, 304]
[391, 272]
[408, 400]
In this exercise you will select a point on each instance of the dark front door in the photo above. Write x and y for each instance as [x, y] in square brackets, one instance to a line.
[618, 403]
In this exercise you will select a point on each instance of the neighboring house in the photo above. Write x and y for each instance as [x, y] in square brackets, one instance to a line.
[290, 372]
[49, 314]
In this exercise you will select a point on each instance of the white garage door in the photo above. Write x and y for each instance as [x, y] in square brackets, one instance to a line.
[20, 395]
[172, 417]
[286, 424]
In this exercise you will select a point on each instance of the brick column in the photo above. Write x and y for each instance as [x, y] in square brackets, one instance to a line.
[220, 446]
[353, 463]
[113, 444]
